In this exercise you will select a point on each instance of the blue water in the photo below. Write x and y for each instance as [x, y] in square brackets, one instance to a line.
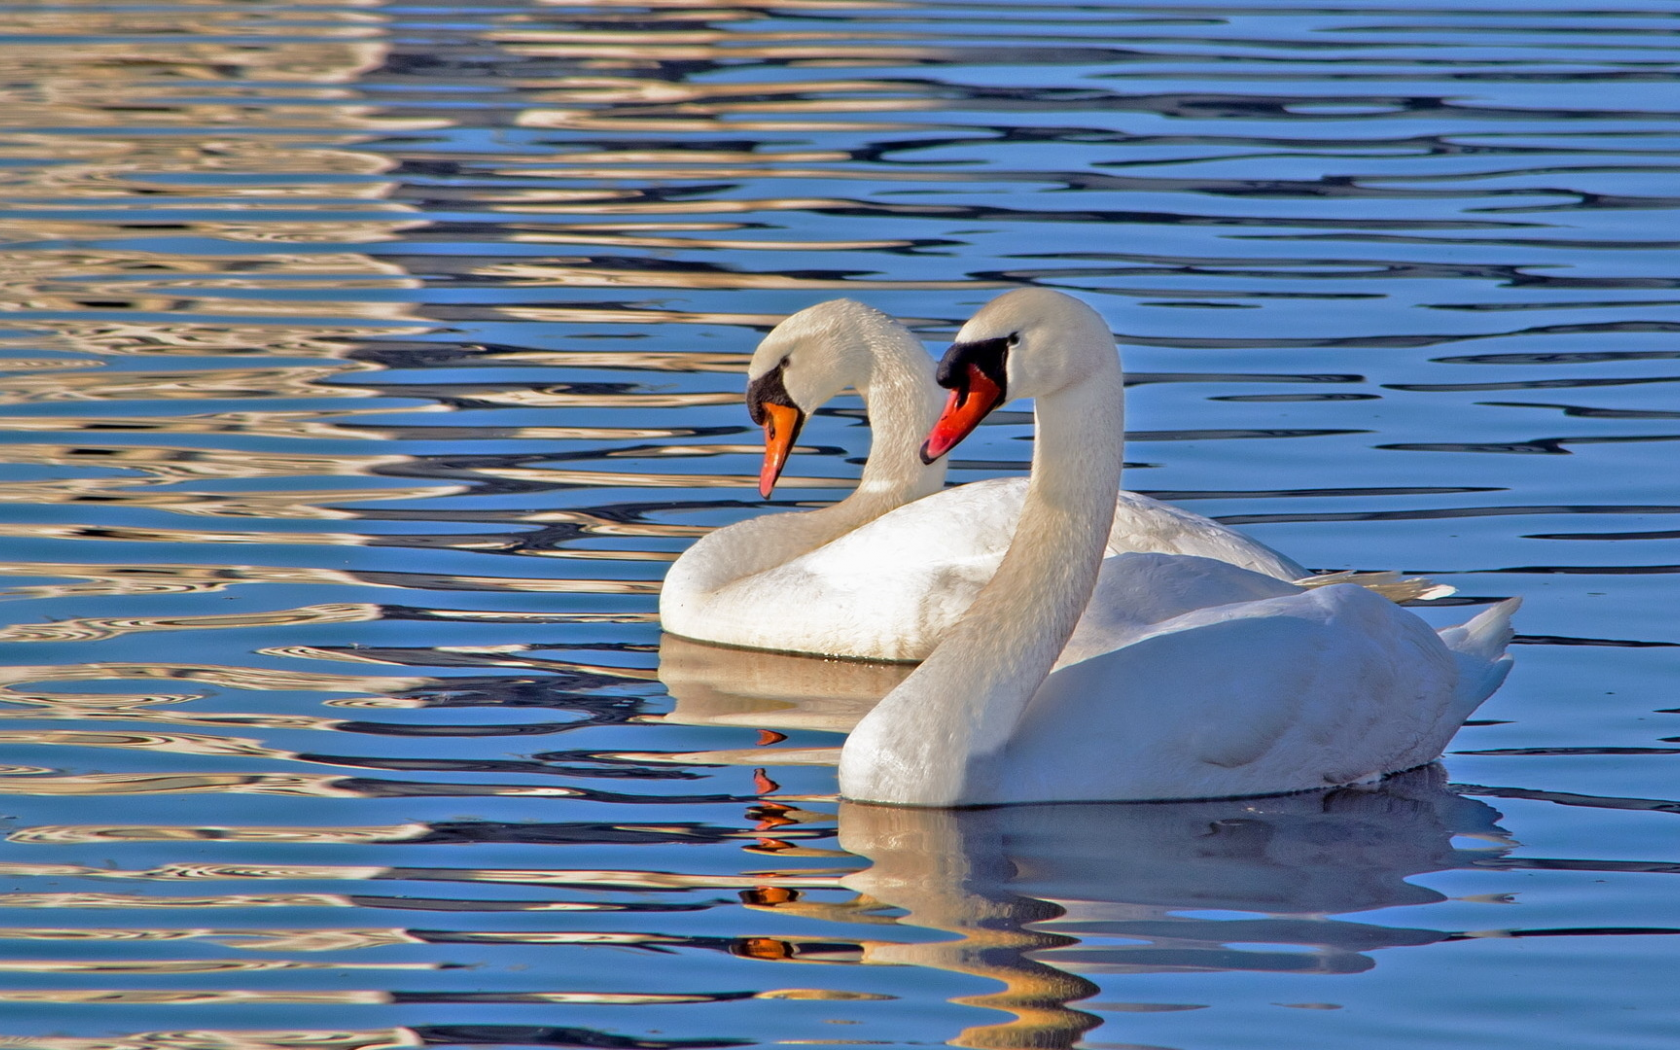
[365, 365]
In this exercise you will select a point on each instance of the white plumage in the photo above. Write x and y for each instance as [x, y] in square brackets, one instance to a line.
[886, 572]
[1186, 678]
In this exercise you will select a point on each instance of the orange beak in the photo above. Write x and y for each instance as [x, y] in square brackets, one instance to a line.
[967, 406]
[781, 427]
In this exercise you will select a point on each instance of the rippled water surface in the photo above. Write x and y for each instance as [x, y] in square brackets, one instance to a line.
[365, 365]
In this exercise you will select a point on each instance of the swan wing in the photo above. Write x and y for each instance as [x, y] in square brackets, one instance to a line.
[1143, 524]
[1322, 687]
[1138, 592]
[891, 588]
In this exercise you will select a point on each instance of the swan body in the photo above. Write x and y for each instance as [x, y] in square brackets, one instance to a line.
[890, 589]
[1186, 677]
[886, 572]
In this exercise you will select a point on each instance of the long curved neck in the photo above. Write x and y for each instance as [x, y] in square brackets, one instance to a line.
[903, 402]
[894, 374]
[932, 741]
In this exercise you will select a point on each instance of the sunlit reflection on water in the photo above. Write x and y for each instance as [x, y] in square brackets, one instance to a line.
[365, 366]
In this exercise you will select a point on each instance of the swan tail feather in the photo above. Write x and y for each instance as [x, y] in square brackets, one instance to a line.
[1390, 585]
[1478, 647]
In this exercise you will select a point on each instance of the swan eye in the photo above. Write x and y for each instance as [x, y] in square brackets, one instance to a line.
[768, 389]
[1013, 340]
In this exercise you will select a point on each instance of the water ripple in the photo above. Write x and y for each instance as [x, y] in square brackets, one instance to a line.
[314, 318]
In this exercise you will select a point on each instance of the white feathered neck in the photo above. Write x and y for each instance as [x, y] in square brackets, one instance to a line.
[822, 350]
[932, 740]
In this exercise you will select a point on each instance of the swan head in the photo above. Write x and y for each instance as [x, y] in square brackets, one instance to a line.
[1025, 343]
[806, 360]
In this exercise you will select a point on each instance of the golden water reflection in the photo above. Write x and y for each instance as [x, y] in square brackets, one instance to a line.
[257, 678]
[92, 629]
[186, 966]
[287, 785]
[373, 997]
[103, 580]
[149, 902]
[196, 385]
[201, 579]
[139, 492]
[338, 424]
[602, 277]
[1041, 896]
[575, 878]
[333, 300]
[211, 1039]
[167, 464]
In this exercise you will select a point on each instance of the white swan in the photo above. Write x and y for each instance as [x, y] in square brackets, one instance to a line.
[886, 571]
[1192, 679]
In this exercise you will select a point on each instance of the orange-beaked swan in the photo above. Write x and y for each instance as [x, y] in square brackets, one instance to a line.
[1187, 677]
[884, 573]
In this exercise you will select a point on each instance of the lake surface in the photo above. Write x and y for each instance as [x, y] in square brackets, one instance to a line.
[365, 364]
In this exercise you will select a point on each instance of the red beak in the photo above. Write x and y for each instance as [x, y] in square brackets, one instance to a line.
[967, 406]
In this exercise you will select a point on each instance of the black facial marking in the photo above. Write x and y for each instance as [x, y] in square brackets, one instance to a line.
[990, 356]
[768, 389]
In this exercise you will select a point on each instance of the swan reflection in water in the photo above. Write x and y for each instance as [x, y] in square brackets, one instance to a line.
[780, 692]
[1039, 896]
